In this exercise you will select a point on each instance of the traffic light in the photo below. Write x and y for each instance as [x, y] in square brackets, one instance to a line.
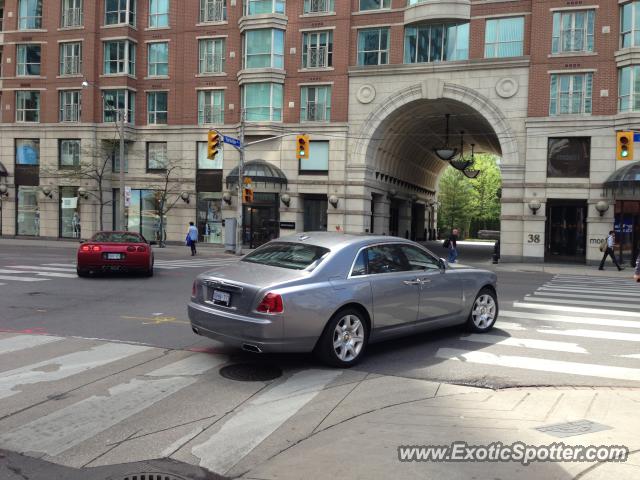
[624, 145]
[247, 195]
[213, 144]
[302, 146]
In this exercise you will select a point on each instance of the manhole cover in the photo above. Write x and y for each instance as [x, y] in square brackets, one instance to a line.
[250, 372]
[570, 429]
[153, 476]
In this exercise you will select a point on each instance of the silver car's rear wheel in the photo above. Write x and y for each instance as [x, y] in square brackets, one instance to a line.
[344, 339]
[484, 311]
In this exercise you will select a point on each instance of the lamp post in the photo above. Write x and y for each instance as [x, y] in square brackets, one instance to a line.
[121, 115]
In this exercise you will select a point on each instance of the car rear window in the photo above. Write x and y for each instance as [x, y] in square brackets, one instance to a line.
[295, 256]
[117, 237]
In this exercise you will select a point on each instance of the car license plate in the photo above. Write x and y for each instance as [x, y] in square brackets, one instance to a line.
[223, 298]
[114, 256]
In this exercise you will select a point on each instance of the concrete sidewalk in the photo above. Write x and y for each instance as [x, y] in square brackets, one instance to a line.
[360, 437]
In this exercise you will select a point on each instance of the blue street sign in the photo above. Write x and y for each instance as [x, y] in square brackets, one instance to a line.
[636, 137]
[231, 141]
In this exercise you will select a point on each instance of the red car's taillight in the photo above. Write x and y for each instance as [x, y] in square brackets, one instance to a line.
[131, 249]
[142, 249]
[85, 248]
[95, 248]
[271, 303]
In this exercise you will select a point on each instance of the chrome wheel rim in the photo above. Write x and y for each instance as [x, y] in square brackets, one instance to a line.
[348, 338]
[484, 311]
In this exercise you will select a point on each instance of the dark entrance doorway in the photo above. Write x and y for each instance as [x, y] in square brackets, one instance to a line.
[566, 231]
[315, 213]
[260, 220]
[627, 228]
[394, 217]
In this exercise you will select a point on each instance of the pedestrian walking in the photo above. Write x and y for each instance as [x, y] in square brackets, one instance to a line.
[453, 245]
[192, 238]
[636, 273]
[608, 251]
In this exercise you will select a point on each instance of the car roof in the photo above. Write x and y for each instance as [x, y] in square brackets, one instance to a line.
[336, 240]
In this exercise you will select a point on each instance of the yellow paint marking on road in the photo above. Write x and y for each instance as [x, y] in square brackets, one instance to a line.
[158, 320]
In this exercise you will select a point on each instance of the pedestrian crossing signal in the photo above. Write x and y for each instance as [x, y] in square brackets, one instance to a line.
[247, 195]
[302, 146]
[213, 144]
[624, 146]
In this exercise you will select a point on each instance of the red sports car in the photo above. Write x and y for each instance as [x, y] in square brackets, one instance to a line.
[115, 251]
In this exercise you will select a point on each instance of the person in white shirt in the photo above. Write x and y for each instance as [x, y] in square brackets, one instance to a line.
[192, 235]
[611, 241]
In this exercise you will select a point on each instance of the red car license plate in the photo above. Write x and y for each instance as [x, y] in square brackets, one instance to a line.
[114, 256]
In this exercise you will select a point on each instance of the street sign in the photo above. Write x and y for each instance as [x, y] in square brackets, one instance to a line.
[636, 137]
[231, 141]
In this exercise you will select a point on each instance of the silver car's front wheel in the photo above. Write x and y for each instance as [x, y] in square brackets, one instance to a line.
[484, 311]
[344, 339]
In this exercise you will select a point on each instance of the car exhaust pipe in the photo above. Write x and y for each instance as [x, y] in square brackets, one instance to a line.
[251, 348]
[195, 330]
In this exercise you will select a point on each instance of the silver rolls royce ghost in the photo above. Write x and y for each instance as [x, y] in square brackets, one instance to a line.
[333, 294]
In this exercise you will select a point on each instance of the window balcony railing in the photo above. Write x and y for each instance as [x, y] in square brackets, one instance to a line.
[316, 57]
[70, 113]
[316, 112]
[214, 11]
[70, 66]
[213, 63]
[212, 115]
[318, 6]
[72, 17]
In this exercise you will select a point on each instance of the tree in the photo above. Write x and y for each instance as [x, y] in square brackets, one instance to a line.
[486, 204]
[167, 195]
[455, 199]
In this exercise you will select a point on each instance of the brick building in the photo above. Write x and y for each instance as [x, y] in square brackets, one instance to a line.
[535, 82]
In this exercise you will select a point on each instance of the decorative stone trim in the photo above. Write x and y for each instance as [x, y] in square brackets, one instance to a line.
[366, 94]
[507, 87]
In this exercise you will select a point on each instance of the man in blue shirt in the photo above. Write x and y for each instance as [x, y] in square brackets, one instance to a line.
[192, 235]
[611, 241]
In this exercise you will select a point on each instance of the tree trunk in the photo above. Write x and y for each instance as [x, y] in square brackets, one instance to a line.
[101, 200]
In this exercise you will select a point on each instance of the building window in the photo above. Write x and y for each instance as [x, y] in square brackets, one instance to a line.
[570, 94]
[158, 59]
[569, 157]
[209, 217]
[373, 46]
[69, 214]
[258, 7]
[119, 57]
[204, 163]
[117, 101]
[629, 89]
[318, 161]
[119, 12]
[158, 13]
[29, 14]
[115, 158]
[211, 55]
[317, 49]
[573, 31]
[27, 106]
[263, 102]
[315, 104]
[264, 48]
[157, 110]
[315, 213]
[70, 105]
[71, 13]
[436, 43]
[630, 25]
[28, 60]
[28, 212]
[156, 156]
[374, 4]
[319, 6]
[211, 106]
[71, 58]
[68, 153]
[213, 10]
[504, 37]
[27, 151]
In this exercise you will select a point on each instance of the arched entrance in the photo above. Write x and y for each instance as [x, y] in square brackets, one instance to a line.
[394, 152]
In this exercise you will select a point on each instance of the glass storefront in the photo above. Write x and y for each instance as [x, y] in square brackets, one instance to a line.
[209, 217]
[69, 213]
[566, 231]
[28, 212]
[260, 219]
[143, 215]
[627, 228]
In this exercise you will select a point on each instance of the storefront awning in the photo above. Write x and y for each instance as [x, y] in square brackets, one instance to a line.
[3, 171]
[625, 181]
[259, 171]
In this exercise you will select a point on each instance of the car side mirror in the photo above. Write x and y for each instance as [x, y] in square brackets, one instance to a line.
[153, 242]
[444, 265]
[82, 241]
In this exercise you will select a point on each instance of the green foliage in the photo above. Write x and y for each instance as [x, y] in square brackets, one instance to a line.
[470, 204]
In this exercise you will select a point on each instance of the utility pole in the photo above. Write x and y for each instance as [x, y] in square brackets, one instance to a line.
[239, 228]
[124, 222]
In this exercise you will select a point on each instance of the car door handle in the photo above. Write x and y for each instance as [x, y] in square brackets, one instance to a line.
[424, 280]
[412, 282]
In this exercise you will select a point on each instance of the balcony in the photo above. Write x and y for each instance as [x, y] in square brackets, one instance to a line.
[316, 112]
[317, 57]
[318, 7]
[427, 10]
[213, 11]
[71, 17]
[212, 64]
[70, 66]
[70, 113]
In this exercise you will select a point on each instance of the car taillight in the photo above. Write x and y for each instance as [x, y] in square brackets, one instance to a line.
[85, 248]
[194, 288]
[131, 249]
[271, 303]
[142, 249]
[95, 248]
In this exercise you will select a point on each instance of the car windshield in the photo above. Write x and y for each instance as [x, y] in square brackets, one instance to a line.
[295, 256]
[117, 237]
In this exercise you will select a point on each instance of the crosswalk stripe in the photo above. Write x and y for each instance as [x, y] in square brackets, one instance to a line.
[66, 366]
[605, 322]
[566, 308]
[260, 418]
[540, 364]
[74, 424]
[632, 355]
[626, 281]
[525, 343]
[602, 334]
[39, 267]
[580, 295]
[578, 302]
[57, 274]
[22, 279]
[509, 325]
[23, 342]
[609, 292]
[68, 265]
